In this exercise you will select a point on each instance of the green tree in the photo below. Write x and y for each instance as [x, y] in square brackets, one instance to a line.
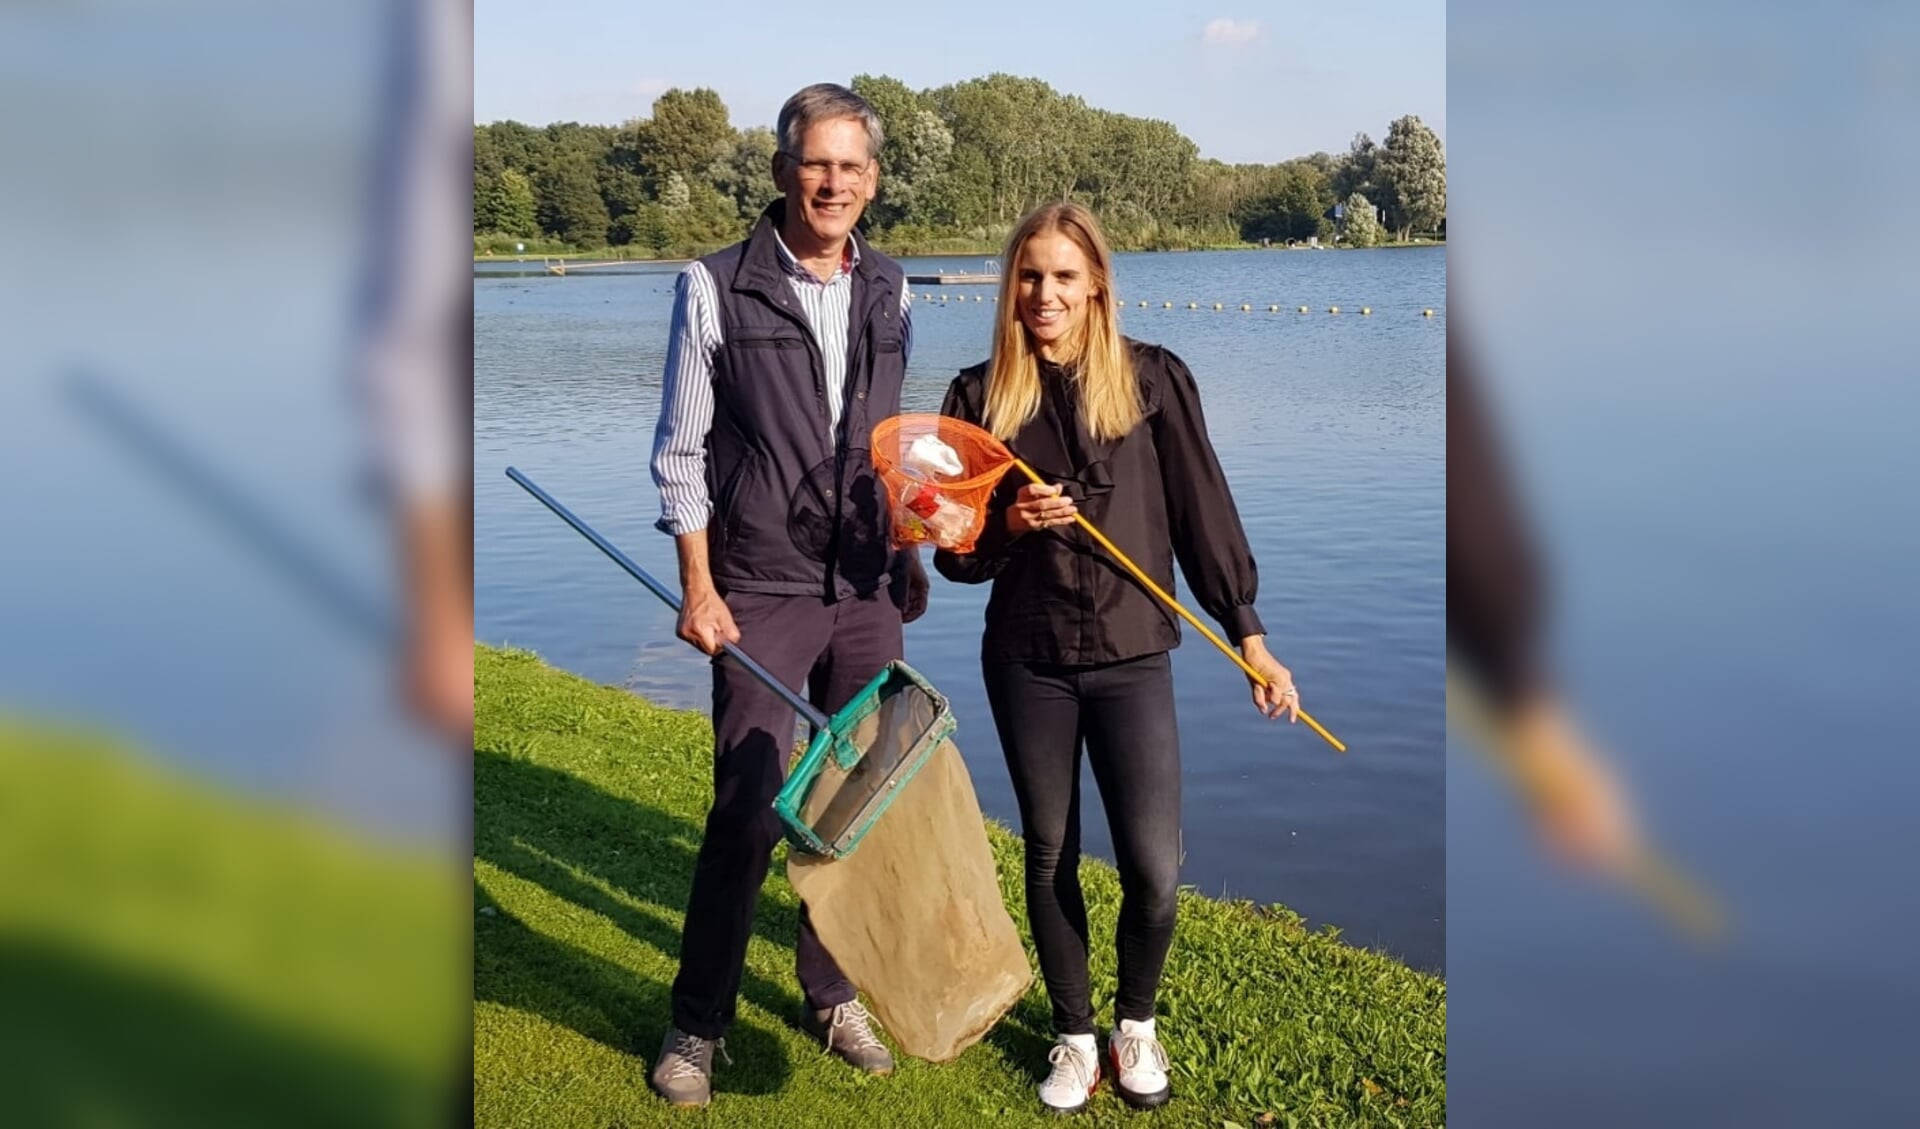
[651, 227]
[1360, 226]
[513, 211]
[688, 134]
[1414, 167]
[915, 158]
[517, 146]
[746, 176]
[569, 203]
[1296, 197]
[1354, 171]
[1030, 142]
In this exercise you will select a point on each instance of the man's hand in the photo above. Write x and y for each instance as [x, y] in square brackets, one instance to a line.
[706, 621]
[910, 586]
[436, 660]
[439, 682]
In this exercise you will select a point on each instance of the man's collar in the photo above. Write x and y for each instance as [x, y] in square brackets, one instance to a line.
[849, 255]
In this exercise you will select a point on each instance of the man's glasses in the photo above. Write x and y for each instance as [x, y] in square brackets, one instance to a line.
[816, 171]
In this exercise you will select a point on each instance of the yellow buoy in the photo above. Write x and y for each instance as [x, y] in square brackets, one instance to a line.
[1216, 305]
[1143, 305]
[1169, 305]
[1273, 309]
[1303, 309]
[1366, 309]
[1333, 309]
[976, 297]
[1244, 307]
[1193, 305]
[1426, 313]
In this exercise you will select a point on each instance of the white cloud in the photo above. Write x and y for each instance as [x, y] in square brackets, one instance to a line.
[1224, 32]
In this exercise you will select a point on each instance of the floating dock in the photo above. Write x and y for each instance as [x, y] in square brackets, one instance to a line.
[953, 279]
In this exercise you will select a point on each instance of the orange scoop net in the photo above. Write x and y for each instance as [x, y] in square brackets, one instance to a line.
[939, 473]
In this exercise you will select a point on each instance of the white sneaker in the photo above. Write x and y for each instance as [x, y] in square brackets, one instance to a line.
[1139, 1065]
[1076, 1072]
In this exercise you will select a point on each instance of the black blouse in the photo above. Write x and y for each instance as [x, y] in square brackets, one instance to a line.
[1157, 493]
[1495, 587]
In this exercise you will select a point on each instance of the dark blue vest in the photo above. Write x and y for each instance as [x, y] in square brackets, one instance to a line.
[794, 512]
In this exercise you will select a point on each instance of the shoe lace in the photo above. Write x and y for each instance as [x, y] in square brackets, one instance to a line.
[686, 1056]
[857, 1021]
[1133, 1047]
[1071, 1061]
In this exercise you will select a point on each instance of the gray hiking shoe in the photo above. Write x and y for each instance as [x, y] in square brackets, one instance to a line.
[683, 1074]
[847, 1030]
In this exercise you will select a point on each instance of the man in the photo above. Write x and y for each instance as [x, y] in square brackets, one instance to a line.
[786, 349]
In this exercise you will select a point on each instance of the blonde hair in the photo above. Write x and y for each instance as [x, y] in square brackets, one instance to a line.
[1107, 389]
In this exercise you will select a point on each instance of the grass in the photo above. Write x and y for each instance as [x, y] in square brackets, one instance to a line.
[173, 953]
[588, 806]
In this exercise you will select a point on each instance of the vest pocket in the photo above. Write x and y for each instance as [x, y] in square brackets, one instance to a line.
[727, 505]
[767, 341]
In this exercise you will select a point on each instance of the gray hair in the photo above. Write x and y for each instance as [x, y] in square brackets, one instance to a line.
[825, 102]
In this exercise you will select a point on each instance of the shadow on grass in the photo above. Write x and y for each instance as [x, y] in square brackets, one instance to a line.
[585, 846]
[1024, 1036]
[85, 1040]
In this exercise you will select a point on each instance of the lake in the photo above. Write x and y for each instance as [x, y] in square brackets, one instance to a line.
[1330, 427]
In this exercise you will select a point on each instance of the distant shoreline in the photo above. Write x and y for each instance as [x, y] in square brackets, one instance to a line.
[625, 255]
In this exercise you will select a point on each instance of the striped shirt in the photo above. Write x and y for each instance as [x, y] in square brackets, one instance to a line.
[686, 393]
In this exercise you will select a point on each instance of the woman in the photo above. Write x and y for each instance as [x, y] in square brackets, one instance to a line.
[1076, 649]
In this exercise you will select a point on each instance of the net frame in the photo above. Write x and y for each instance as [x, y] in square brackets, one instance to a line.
[854, 768]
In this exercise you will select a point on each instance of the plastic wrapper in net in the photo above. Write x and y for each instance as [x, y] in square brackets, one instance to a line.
[939, 473]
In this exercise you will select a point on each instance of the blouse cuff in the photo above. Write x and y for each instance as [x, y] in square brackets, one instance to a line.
[1241, 622]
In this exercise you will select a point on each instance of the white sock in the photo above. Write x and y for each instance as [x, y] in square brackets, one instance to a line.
[1085, 1043]
[1137, 1027]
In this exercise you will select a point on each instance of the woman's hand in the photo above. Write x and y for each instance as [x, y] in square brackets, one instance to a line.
[1579, 807]
[1277, 695]
[1039, 507]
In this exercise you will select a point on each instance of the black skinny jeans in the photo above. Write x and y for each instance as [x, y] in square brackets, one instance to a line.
[1123, 713]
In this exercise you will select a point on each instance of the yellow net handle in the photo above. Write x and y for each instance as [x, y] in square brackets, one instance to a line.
[1685, 903]
[1184, 613]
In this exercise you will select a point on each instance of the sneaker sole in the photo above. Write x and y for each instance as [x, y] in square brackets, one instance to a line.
[681, 1103]
[1143, 1101]
[1136, 1100]
[1065, 1111]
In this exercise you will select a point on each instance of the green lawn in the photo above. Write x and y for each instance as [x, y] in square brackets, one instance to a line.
[175, 954]
[588, 805]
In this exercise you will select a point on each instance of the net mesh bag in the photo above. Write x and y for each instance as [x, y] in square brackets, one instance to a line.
[939, 473]
[914, 916]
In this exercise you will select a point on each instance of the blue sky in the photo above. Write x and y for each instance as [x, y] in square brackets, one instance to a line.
[1253, 82]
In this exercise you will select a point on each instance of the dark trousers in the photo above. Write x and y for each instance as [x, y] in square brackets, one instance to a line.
[836, 649]
[1123, 715]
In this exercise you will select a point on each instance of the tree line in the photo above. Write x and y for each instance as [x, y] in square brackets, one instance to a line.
[961, 163]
